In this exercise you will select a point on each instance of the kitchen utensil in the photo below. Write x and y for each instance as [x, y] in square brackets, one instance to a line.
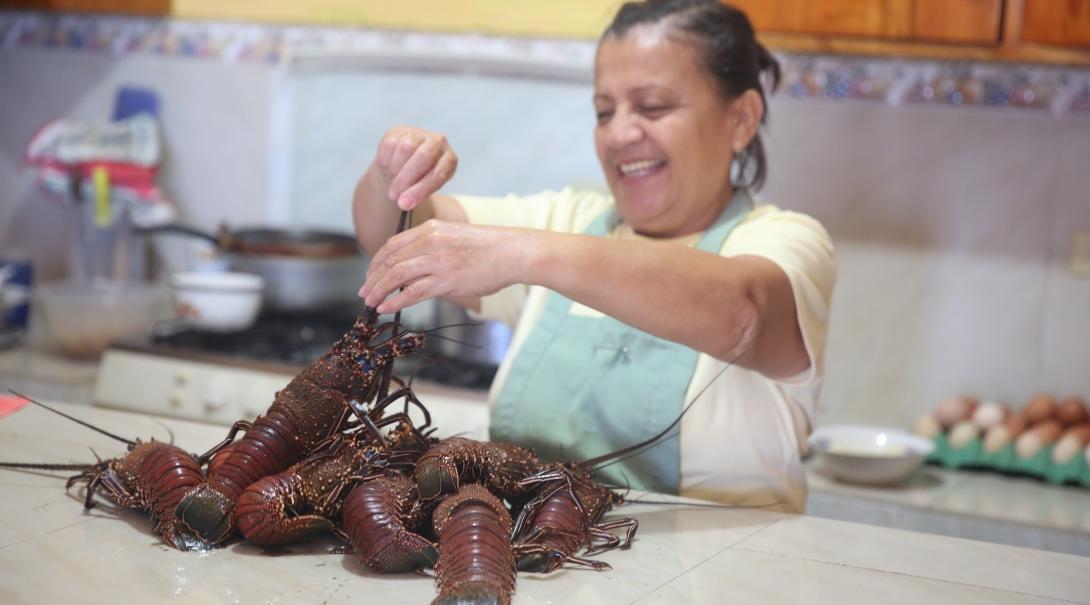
[303, 269]
[217, 302]
[83, 318]
[871, 455]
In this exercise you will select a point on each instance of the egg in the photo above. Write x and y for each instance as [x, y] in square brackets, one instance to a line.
[927, 426]
[1073, 441]
[1071, 411]
[1037, 437]
[996, 438]
[989, 414]
[963, 433]
[1001, 434]
[953, 410]
[1016, 424]
[1042, 407]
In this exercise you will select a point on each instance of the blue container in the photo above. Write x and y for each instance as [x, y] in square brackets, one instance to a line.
[14, 297]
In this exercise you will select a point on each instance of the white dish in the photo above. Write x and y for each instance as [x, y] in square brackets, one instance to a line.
[872, 455]
[218, 302]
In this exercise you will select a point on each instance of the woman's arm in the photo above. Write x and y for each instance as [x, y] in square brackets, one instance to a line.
[738, 309]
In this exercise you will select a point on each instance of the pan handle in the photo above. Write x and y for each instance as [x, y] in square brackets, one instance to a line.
[181, 230]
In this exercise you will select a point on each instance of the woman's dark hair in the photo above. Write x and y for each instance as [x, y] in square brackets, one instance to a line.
[729, 50]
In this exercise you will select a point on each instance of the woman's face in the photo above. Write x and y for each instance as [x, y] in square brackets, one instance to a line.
[665, 136]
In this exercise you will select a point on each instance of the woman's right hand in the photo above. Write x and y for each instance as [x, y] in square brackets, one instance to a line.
[413, 164]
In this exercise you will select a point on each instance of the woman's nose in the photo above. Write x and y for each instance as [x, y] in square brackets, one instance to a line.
[624, 129]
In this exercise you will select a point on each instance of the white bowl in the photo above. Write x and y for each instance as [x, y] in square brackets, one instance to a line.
[217, 302]
[872, 455]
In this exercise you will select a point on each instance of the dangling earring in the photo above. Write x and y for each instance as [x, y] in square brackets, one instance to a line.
[738, 167]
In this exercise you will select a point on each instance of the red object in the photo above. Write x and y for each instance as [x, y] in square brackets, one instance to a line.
[10, 404]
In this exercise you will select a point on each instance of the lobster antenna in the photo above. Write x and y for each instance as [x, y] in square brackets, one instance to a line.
[630, 454]
[454, 340]
[76, 420]
[704, 504]
[47, 467]
[464, 324]
[639, 447]
[170, 431]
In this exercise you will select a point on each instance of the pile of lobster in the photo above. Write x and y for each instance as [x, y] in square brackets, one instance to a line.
[334, 453]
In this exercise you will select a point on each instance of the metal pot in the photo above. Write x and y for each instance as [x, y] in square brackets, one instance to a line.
[478, 343]
[304, 269]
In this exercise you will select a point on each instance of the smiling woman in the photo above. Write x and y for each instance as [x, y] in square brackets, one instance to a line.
[627, 306]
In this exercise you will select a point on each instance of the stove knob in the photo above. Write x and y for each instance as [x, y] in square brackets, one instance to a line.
[181, 378]
[176, 399]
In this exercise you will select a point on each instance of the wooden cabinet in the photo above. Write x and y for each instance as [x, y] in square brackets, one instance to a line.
[145, 7]
[976, 21]
[1046, 31]
[958, 21]
[1055, 22]
[838, 17]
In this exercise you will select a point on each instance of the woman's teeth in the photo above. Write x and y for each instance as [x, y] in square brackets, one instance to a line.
[639, 168]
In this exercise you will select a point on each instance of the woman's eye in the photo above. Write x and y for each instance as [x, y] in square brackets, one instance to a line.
[604, 115]
[654, 110]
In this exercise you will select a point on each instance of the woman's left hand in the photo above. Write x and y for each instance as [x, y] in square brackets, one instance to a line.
[440, 258]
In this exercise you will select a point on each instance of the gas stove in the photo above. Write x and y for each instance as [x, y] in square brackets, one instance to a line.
[220, 377]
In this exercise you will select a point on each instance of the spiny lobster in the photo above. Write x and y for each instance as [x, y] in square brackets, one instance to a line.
[152, 476]
[304, 416]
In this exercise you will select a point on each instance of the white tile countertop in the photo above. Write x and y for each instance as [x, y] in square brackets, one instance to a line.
[52, 551]
[1020, 511]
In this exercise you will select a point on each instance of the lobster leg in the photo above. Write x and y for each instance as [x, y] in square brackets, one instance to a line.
[241, 425]
[610, 541]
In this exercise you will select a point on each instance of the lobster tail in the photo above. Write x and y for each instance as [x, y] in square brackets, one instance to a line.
[376, 517]
[476, 561]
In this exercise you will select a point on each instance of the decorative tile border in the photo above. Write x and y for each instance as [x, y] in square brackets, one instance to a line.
[894, 82]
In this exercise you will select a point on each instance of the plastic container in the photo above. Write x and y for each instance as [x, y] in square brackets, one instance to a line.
[83, 318]
[217, 302]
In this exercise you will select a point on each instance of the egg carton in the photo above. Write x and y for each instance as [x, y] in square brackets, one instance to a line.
[972, 456]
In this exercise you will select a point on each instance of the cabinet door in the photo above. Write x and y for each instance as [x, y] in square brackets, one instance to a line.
[148, 7]
[874, 18]
[968, 21]
[1059, 22]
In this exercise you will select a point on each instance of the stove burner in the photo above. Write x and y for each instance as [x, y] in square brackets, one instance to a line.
[298, 339]
[294, 339]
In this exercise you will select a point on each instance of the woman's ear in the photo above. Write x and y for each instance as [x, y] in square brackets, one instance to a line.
[748, 109]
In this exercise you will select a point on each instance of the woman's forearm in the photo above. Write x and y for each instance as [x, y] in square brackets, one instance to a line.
[739, 308]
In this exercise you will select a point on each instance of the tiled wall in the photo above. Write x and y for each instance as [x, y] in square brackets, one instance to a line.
[952, 191]
[953, 229]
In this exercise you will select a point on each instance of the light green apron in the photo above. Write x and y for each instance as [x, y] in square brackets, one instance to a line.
[584, 386]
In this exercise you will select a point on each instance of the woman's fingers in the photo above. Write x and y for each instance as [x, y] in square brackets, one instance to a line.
[394, 274]
[412, 293]
[407, 146]
[433, 179]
